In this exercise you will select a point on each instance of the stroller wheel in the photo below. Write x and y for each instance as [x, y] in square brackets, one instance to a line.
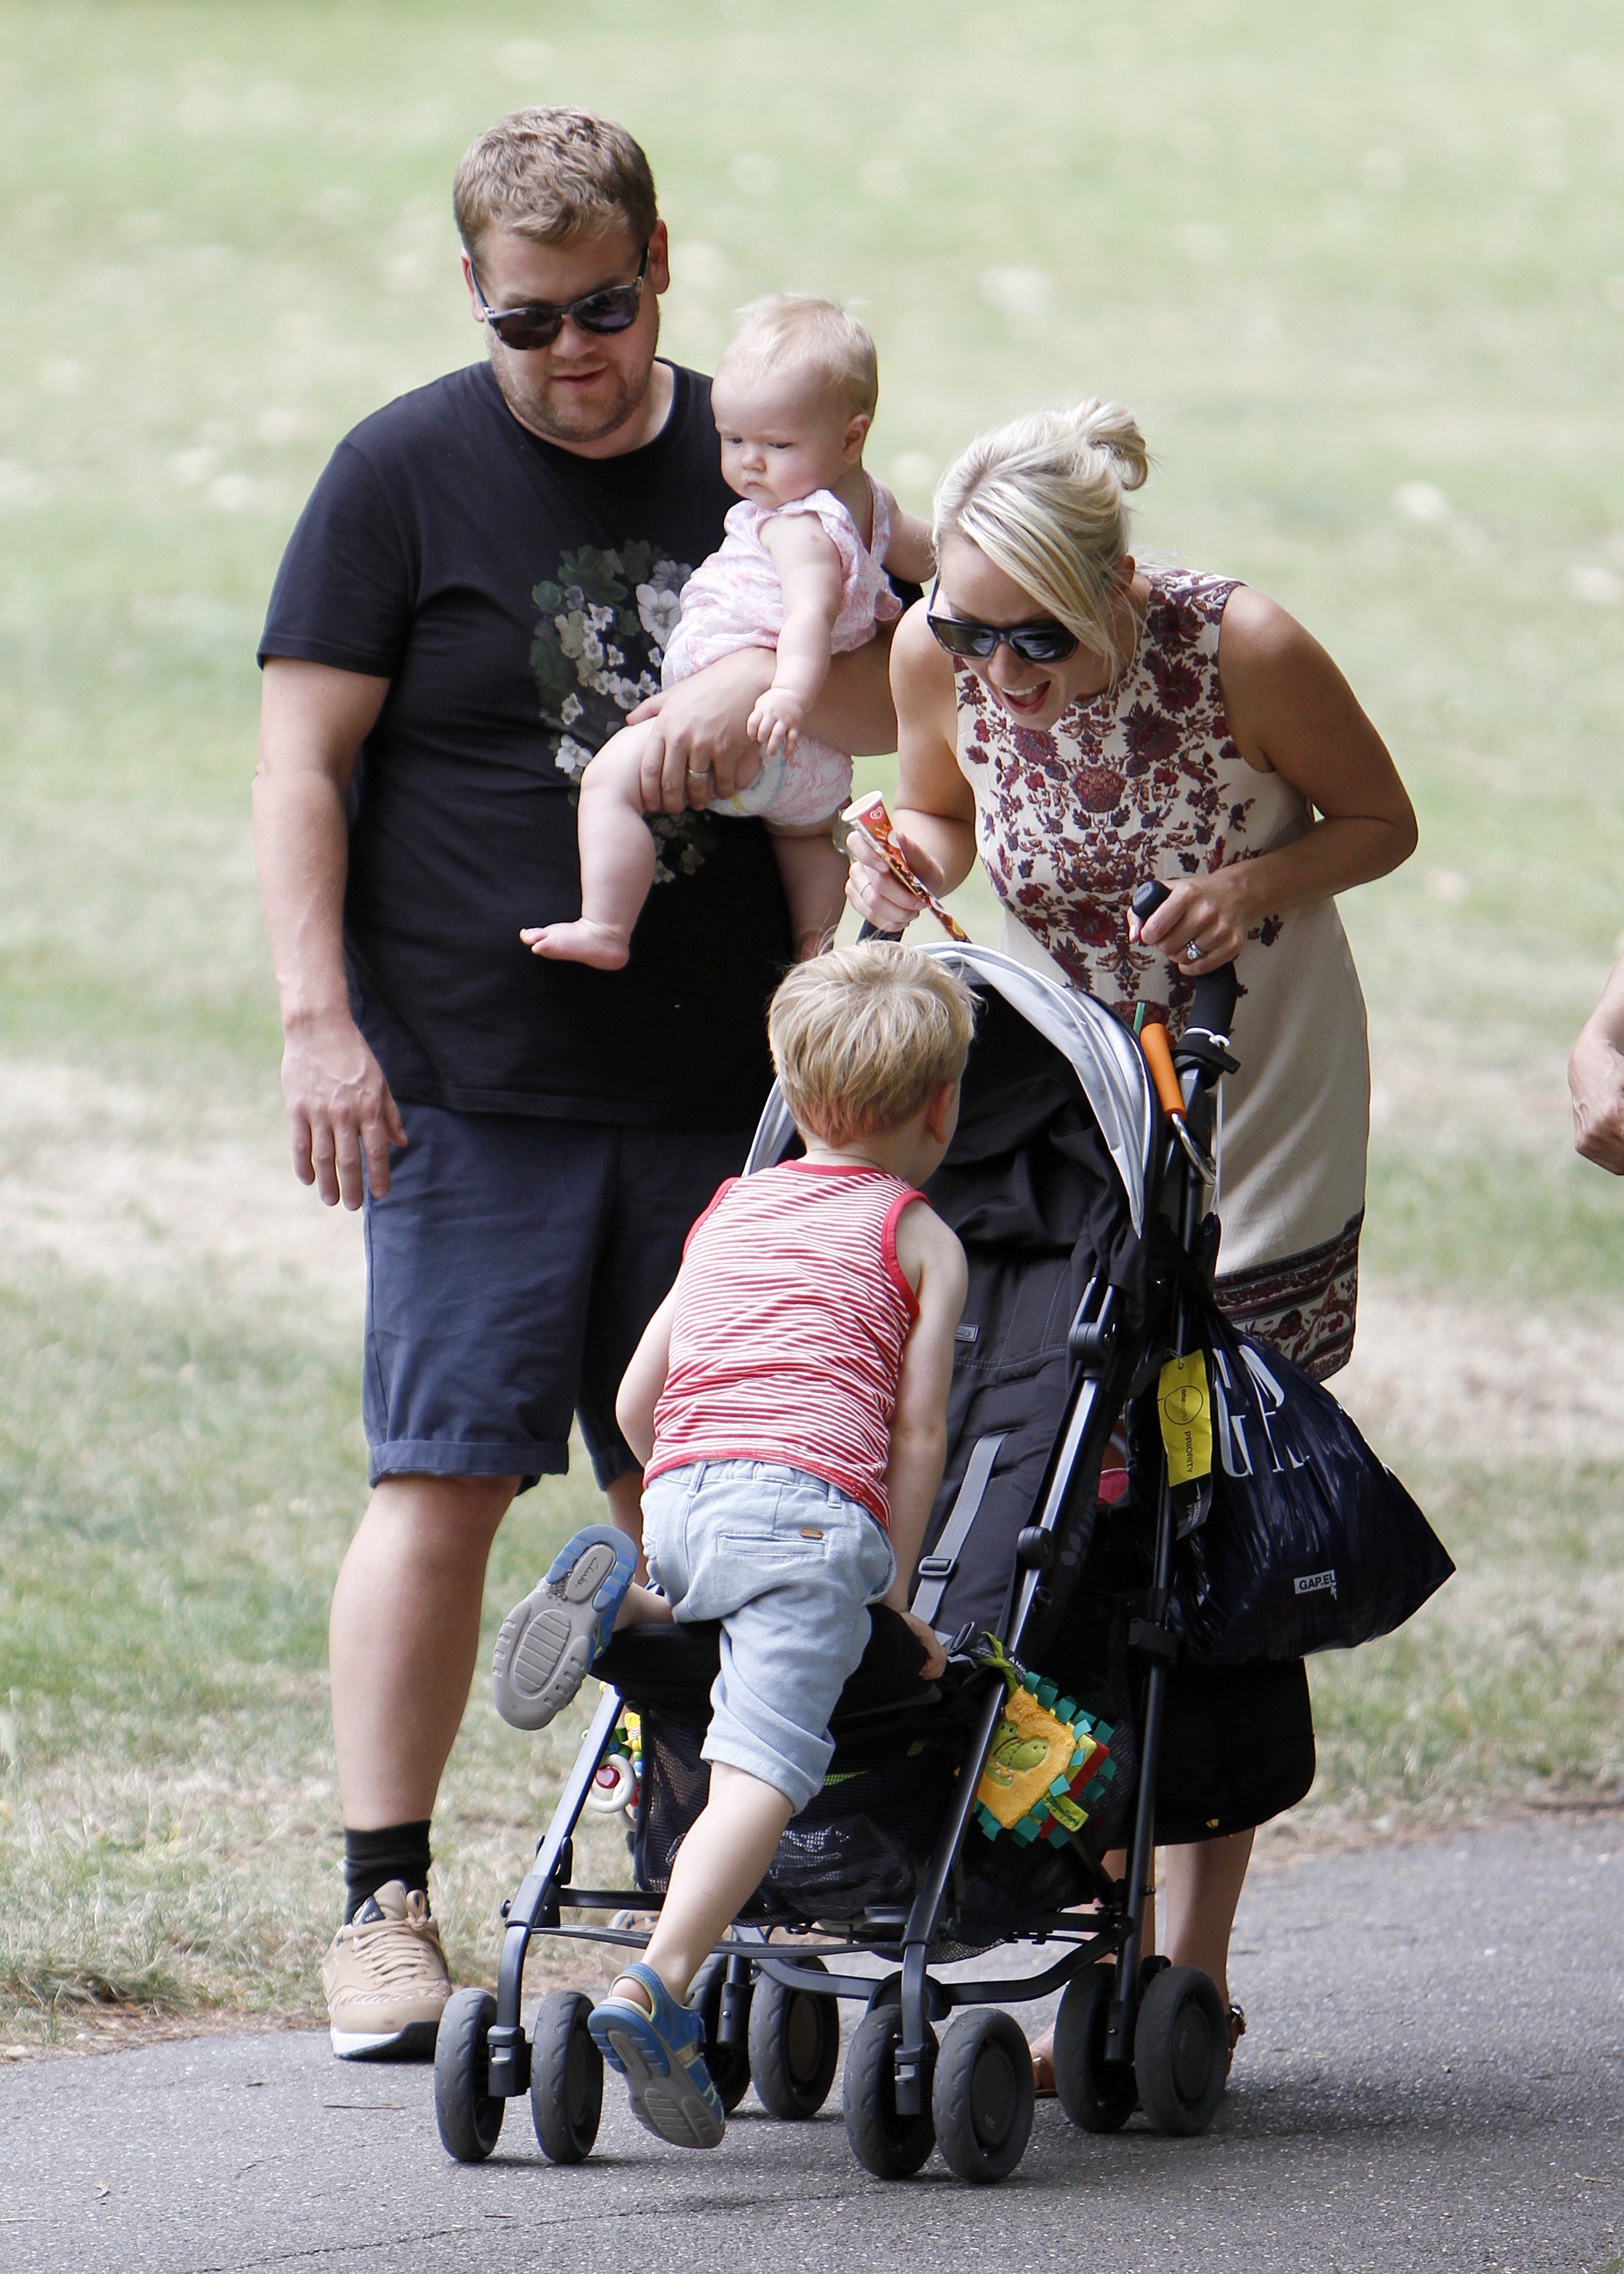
[983, 2097]
[469, 2117]
[1181, 2050]
[794, 2045]
[1098, 2095]
[890, 2145]
[729, 2065]
[566, 2078]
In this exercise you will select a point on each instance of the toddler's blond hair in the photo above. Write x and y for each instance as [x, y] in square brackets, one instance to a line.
[862, 1037]
[807, 335]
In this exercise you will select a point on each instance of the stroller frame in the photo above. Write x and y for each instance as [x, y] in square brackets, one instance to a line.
[485, 2058]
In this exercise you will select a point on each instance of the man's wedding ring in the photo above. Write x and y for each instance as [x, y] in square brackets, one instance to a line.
[1194, 952]
[699, 773]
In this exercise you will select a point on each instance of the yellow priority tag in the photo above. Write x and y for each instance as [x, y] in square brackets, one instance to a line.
[1186, 1414]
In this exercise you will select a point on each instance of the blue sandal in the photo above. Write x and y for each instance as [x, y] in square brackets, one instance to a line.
[549, 1641]
[661, 2056]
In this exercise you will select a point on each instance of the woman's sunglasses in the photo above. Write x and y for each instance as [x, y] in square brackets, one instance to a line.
[1044, 641]
[614, 309]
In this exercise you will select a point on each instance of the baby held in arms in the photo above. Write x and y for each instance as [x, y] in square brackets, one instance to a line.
[801, 570]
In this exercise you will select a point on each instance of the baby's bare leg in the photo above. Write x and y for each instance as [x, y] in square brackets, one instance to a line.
[617, 861]
[814, 871]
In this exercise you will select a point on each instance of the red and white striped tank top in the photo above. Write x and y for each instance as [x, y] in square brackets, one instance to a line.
[791, 1314]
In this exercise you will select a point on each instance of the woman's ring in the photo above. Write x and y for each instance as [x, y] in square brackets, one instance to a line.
[699, 773]
[1194, 951]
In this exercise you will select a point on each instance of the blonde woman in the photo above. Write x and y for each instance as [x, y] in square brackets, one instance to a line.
[1085, 721]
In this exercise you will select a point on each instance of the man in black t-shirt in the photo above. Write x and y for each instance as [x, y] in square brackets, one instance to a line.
[478, 594]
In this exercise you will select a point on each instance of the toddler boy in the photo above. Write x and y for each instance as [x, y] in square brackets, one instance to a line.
[789, 1403]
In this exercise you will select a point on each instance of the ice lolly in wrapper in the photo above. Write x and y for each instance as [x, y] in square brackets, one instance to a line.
[869, 816]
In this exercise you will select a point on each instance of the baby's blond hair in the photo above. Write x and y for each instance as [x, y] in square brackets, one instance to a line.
[813, 336]
[862, 1036]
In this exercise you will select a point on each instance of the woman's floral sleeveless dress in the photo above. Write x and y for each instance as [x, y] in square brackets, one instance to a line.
[1145, 780]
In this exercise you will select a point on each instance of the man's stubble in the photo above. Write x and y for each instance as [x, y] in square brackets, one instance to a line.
[534, 405]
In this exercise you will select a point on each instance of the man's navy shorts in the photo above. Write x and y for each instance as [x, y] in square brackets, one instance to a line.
[511, 1269]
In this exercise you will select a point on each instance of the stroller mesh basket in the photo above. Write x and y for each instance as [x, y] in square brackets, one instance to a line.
[862, 1843]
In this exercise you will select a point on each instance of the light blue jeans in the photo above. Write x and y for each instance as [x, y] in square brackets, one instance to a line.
[789, 1564]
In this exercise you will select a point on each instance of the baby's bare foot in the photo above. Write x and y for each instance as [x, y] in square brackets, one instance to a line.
[600, 944]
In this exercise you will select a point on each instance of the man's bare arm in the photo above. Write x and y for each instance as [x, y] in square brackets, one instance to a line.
[855, 712]
[911, 552]
[702, 750]
[313, 722]
[1596, 1079]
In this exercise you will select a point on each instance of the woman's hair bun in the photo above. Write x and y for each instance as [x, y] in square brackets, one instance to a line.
[1111, 427]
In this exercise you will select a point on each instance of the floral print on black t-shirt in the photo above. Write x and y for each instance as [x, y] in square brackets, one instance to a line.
[605, 620]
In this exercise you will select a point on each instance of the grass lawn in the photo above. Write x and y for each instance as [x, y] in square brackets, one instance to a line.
[1360, 268]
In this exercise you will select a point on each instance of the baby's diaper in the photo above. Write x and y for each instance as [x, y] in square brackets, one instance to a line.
[812, 786]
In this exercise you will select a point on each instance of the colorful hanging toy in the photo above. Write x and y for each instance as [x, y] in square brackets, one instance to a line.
[619, 1772]
[1049, 1762]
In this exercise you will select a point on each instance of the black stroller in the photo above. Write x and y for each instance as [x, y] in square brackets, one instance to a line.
[1081, 1201]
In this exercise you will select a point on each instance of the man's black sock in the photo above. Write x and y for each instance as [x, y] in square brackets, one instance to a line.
[372, 1859]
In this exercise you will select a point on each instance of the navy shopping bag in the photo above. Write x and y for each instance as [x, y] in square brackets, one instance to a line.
[1305, 1540]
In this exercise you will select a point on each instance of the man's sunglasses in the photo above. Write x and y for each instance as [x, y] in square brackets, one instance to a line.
[1044, 641]
[614, 309]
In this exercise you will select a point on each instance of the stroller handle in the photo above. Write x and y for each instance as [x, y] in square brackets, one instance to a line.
[1216, 991]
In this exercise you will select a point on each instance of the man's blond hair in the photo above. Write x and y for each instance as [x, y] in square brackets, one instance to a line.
[553, 173]
[862, 1036]
[796, 331]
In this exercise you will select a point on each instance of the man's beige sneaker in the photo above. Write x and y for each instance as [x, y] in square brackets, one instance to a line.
[386, 1979]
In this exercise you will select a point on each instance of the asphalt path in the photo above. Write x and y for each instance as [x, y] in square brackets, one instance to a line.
[1433, 2078]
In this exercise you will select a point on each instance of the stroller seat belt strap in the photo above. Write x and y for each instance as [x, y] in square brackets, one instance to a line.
[936, 1569]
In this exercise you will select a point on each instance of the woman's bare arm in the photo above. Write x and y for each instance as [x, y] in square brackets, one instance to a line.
[313, 722]
[1292, 714]
[935, 815]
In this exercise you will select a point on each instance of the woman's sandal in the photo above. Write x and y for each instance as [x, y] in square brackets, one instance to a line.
[549, 1641]
[1237, 2020]
[661, 2055]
